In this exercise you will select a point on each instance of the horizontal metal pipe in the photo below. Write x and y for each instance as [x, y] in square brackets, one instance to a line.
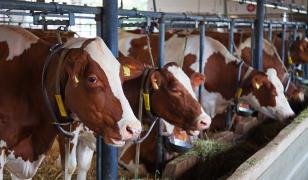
[9, 13]
[48, 7]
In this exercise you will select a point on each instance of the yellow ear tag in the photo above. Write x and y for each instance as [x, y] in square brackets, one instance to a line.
[60, 105]
[76, 79]
[146, 98]
[290, 61]
[257, 86]
[126, 71]
[238, 92]
[155, 86]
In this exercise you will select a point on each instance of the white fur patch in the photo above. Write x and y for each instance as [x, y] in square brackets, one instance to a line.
[2, 144]
[179, 74]
[301, 96]
[282, 108]
[213, 102]
[267, 47]
[18, 40]
[125, 39]
[23, 169]
[100, 53]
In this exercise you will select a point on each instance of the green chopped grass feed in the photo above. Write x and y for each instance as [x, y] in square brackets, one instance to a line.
[204, 149]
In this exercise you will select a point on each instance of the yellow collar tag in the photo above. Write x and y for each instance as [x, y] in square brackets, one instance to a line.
[238, 93]
[60, 105]
[126, 71]
[290, 61]
[146, 98]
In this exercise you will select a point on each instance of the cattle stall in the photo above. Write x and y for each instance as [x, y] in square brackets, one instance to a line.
[109, 18]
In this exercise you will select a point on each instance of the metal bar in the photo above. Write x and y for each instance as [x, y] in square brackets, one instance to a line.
[270, 32]
[253, 37]
[295, 32]
[283, 45]
[48, 7]
[9, 13]
[154, 6]
[231, 36]
[110, 35]
[201, 50]
[160, 64]
[257, 60]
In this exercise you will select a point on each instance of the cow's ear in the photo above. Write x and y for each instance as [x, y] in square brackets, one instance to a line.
[74, 66]
[196, 79]
[130, 68]
[156, 80]
[257, 81]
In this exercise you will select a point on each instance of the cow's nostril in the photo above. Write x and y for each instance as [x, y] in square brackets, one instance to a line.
[203, 123]
[129, 130]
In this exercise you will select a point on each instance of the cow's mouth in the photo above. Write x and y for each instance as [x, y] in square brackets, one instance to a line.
[116, 143]
[193, 132]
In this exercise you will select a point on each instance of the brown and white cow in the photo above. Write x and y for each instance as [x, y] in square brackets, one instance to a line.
[172, 98]
[271, 59]
[298, 49]
[91, 88]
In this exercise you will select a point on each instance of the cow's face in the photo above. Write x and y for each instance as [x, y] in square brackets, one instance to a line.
[94, 93]
[174, 100]
[267, 95]
[300, 50]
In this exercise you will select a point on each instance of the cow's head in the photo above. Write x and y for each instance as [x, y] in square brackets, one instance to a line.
[94, 93]
[267, 95]
[174, 100]
[271, 59]
[299, 50]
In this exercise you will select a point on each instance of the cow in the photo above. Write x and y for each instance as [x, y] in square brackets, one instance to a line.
[90, 91]
[270, 59]
[172, 98]
[298, 50]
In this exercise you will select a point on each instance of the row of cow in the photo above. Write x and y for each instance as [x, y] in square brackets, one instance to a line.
[102, 95]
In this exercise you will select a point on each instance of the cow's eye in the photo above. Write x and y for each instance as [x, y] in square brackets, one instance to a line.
[176, 91]
[92, 79]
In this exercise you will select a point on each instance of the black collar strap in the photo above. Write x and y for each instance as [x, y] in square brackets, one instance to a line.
[54, 50]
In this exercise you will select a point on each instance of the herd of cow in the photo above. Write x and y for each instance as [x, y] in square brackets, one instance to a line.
[101, 94]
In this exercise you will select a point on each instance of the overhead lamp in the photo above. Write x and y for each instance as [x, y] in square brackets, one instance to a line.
[283, 8]
[270, 5]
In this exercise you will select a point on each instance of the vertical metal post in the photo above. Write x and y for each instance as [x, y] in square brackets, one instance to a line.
[257, 60]
[154, 6]
[161, 55]
[201, 50]
[306, 35]
[109, 169]
[99, 140]
[225, 8]
[270, 32]
[231, 36]
[253, 37]
[295, 32]
[283, 45]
